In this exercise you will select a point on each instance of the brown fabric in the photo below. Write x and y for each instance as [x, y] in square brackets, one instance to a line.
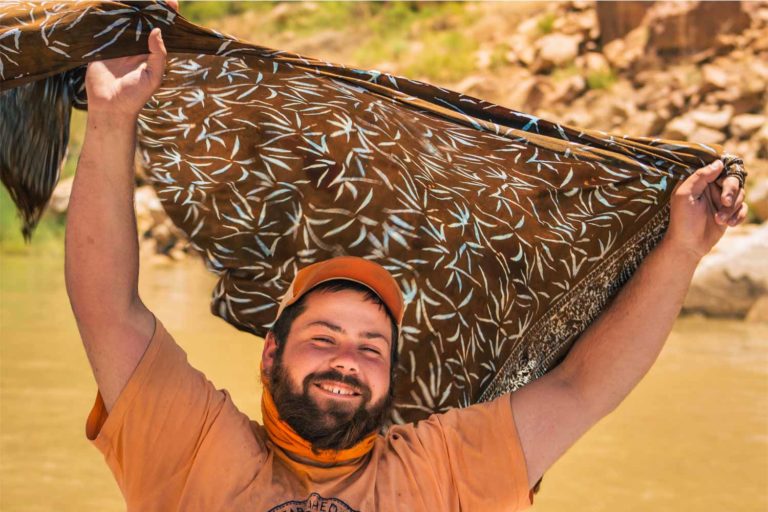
[507, 233]
[175, 442]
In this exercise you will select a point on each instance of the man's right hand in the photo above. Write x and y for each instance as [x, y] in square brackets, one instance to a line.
[123, 86]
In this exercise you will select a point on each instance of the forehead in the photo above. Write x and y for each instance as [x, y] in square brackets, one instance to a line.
[349, 309]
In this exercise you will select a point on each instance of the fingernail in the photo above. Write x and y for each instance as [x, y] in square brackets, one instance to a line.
[728, 200]
[717, 164]
[721, 217]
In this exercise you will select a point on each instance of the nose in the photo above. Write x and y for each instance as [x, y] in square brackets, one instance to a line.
[345, 360]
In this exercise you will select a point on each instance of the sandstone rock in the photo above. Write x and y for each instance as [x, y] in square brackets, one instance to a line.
[734, 276]
[556, 50]
[469, 83]
[758, 313]
[717, 120]
[149, 210]
[689, 27]
[529, 94]
[567, 90]
[529, 27]
[624, 53]
[520, 49]
[578, 118]
[643, 124]
[595, 61]
[60, 198]
[617, 19]
[709, 136]
[713, 77]
[761, 142]
[744, 125]
[679, 128]
[483, 58]
[757, 198]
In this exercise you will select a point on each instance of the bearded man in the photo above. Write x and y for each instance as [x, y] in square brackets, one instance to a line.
[175, 442]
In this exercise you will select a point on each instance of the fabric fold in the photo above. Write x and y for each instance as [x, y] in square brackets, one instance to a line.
[507, 233]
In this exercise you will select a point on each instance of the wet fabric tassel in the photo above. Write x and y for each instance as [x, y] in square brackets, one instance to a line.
[507, 233]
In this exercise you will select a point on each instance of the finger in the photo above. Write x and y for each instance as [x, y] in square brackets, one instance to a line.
[699, 180]
[731, 188]
[725, 213]
[739, 216]
[173, 4]
[157, 54]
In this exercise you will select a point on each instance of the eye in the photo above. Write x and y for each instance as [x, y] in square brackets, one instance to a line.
[322, 339]
[371, 350]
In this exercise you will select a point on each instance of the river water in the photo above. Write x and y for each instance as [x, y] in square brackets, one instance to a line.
[692, 436]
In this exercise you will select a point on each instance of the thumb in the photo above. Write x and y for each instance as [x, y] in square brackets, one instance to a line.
[704, 176]
[157, 54]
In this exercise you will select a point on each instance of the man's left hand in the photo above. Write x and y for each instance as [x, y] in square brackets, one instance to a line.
[702, 208]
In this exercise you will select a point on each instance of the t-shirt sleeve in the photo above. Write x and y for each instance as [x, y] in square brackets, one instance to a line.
[167, 416]
[479, 450]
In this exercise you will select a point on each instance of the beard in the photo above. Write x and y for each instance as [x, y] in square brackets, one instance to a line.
[335, 426]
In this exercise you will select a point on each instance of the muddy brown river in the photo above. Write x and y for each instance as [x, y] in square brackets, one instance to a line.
[692, 436]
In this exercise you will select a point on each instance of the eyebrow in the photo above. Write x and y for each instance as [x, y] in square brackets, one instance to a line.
[335, 328]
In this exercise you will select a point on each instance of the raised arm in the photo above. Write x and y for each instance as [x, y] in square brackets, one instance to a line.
[102, 254]
[619, 348]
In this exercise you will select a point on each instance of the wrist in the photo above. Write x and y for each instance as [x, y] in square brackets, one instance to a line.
[111, 120]
[679, 253]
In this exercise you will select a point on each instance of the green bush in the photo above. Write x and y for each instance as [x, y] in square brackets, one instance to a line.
[201, 12]
[546, 23]
[601, 79]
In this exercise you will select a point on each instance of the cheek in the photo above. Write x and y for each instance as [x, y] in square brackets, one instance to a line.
[378, 379]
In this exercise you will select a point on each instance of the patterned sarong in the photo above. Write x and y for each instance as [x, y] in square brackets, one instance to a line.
[507, 233]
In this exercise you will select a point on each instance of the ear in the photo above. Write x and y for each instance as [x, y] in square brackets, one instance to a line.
[269, 353]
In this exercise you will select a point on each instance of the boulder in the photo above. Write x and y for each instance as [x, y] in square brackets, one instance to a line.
[617, 19]
[149, 210]
[713, 77]
[679, 128]
[758, 313]
[567, 90]
[744, 125]
[595, 62]
[626, 52]
[709, 136]
[529, 94]
[679, 28]
[715, 119]
[60, 199]
[556, 50]
[643, 124]
[761, 142]
[757, 198]
[731, 278]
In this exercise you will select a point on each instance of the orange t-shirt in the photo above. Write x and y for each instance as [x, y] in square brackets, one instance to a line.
[175, 442]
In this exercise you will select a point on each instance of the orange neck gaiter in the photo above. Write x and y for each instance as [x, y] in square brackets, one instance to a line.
[281, 434]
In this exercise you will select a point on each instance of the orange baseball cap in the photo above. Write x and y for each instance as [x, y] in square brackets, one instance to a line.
[349, 268]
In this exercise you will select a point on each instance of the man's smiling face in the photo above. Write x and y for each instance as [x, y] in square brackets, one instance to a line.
[331, 380]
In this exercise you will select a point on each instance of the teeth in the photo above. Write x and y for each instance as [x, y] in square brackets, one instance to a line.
[336, 390]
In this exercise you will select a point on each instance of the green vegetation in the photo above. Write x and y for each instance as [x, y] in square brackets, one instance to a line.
[564, 72]
[499, 56]
[202, 12]
[546, 23]
[424, 38]
[601, 79]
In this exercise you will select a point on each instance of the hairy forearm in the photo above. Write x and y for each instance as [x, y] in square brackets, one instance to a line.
[619, 348]
[101, 259]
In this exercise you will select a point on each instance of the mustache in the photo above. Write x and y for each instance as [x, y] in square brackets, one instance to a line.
[332, 375]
